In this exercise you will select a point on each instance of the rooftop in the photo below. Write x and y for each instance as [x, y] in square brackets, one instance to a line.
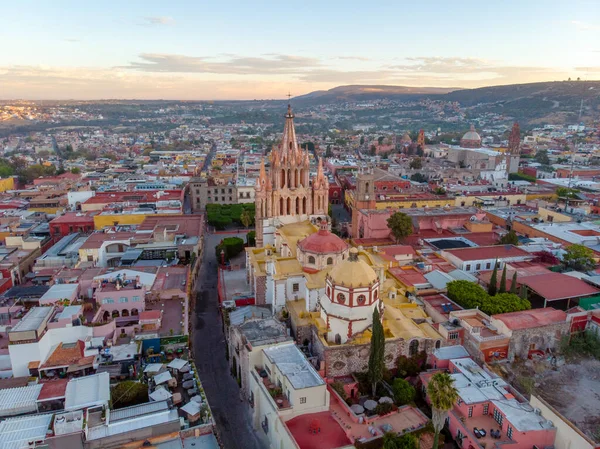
[450, 352]
[16, 433]
[528, 319]
[260, 332]
[488, 252]
[293, 365]
[33, 319]
[87, 391]
[554, 286]
[17, 401]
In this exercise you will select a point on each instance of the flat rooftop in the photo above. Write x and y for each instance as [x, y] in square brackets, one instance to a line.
[264, 331]
[293, 365]
[33, 319]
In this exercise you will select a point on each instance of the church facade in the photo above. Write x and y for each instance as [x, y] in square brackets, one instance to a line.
[287, 194]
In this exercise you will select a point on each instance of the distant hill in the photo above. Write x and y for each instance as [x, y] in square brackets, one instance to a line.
[366, 93]
[546, 102]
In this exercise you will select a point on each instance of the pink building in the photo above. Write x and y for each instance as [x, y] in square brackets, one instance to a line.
[490, 413]
[118, 298]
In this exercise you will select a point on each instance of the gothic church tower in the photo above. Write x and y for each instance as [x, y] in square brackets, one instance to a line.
[286, 194]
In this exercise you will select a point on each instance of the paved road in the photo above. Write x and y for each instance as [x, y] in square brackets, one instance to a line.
[231, 414]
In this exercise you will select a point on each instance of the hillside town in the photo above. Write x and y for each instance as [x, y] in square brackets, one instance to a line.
[366, 274]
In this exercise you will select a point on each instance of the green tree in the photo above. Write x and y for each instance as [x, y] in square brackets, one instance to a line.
[493, 285]
[502, 288]
[394, 441]
[418, 177]
[376, 354]
[542, 157]
[75, 170]
[231, 246]
[404, 392]
[523, 292]
[579, 257]
[380, 140]
[503, 303]
[513, 284]
[362, 140]
[129, 393]
[245, 218]
[510, 238]
[416, 163]
[251, 238]
[443, 395]
[466, 293]
[400, 226]
[565, 192]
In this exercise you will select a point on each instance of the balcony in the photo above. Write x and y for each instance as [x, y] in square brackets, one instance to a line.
[281, 401]
[485, 422]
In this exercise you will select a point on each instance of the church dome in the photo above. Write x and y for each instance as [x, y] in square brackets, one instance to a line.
[471, 139]
[322, 242]
[353, 272]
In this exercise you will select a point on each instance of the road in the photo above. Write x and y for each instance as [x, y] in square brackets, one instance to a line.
[232, 416]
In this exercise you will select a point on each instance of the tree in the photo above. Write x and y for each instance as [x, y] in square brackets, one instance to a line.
[523, 292]
[579, 257]
[503, 303]
[245, 218]
[418, 177]
[75, 170]
[466, 293]
[251, 238]
[502, 288]
[542, 157]
[129, 393]
[510, 238]
[443, 395]
[393, 441]
[404, 392]
[513, 284]
[493, 285]
[565, 192]
[373, 150]
[380, 140]
[362, 140]
[376, 363]
[416, 163]
[400, 226]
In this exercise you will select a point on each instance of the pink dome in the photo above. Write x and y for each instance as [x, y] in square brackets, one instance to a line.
[322, 242]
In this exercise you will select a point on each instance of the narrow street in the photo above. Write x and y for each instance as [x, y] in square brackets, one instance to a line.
[232, 416]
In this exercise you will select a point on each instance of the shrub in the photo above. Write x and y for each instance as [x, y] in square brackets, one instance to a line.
[251, 238]
[338, 387]
[470, 295]
[129, 393]
[384, 408]
[231, 246]
[404, 393]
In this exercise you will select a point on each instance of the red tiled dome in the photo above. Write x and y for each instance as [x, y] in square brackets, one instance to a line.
[322, 242]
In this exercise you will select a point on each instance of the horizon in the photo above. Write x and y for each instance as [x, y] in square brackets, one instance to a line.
[238, 52]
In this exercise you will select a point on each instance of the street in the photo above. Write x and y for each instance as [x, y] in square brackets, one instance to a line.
[232, 416]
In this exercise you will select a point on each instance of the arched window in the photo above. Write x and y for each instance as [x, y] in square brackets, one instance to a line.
[341, 298]
[311, 259]
[330, 261]
[361, 300]
[438, 344]
[413, 348]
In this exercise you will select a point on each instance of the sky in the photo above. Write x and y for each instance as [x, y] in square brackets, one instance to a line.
[215, 50]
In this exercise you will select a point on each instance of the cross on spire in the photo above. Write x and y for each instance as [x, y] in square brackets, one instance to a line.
[289, 95]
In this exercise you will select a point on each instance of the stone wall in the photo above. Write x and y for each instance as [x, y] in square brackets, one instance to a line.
[547, 337]
[261, 290]
[342, 360]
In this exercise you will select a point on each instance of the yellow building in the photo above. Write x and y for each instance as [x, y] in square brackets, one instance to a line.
[111, 219]
[7, 184]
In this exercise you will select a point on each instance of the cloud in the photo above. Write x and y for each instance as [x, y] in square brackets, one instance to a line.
[236, 65]
[584, 26]
[159, 20]
[354, 58]
[72, 40]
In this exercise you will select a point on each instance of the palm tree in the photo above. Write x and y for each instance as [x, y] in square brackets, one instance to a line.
[443, 395]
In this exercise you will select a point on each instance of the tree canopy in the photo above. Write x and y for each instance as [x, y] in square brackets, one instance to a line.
[443, 395]
[393, 441]
[510, 238]
[400, 226]
[470, 295]
[404, 392]
[542, 157]
[579, 257]
[376, 362]
[416, 163]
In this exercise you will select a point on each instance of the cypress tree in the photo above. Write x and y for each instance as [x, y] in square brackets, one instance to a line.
[502, 288]
[493, 287]
[377, 352]
[513, 285]
[523, 292]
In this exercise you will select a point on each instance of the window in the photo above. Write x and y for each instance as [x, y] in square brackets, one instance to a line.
[229, 190]
[498, 417]
[123, 299]
[135, 299]
[478, 267]
[303, 400]
[341, 298]
[108, 301]
[330, 261]
[509, 432]
[468, 268]
[452, 335]
[311, 259]
[488, 266]
[413, 348]
[222, 190]
[486, 408]
[361, 300]
[470, 412]
[295, 288]
[197, 191]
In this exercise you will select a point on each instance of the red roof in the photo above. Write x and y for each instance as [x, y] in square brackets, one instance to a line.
[150, 315]
[53, 389]
[330, 436]
[555, 286]
[75, 217]
[397, 250]
[146, 196]
[323, 242]
[488, 252]
[528, 319]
